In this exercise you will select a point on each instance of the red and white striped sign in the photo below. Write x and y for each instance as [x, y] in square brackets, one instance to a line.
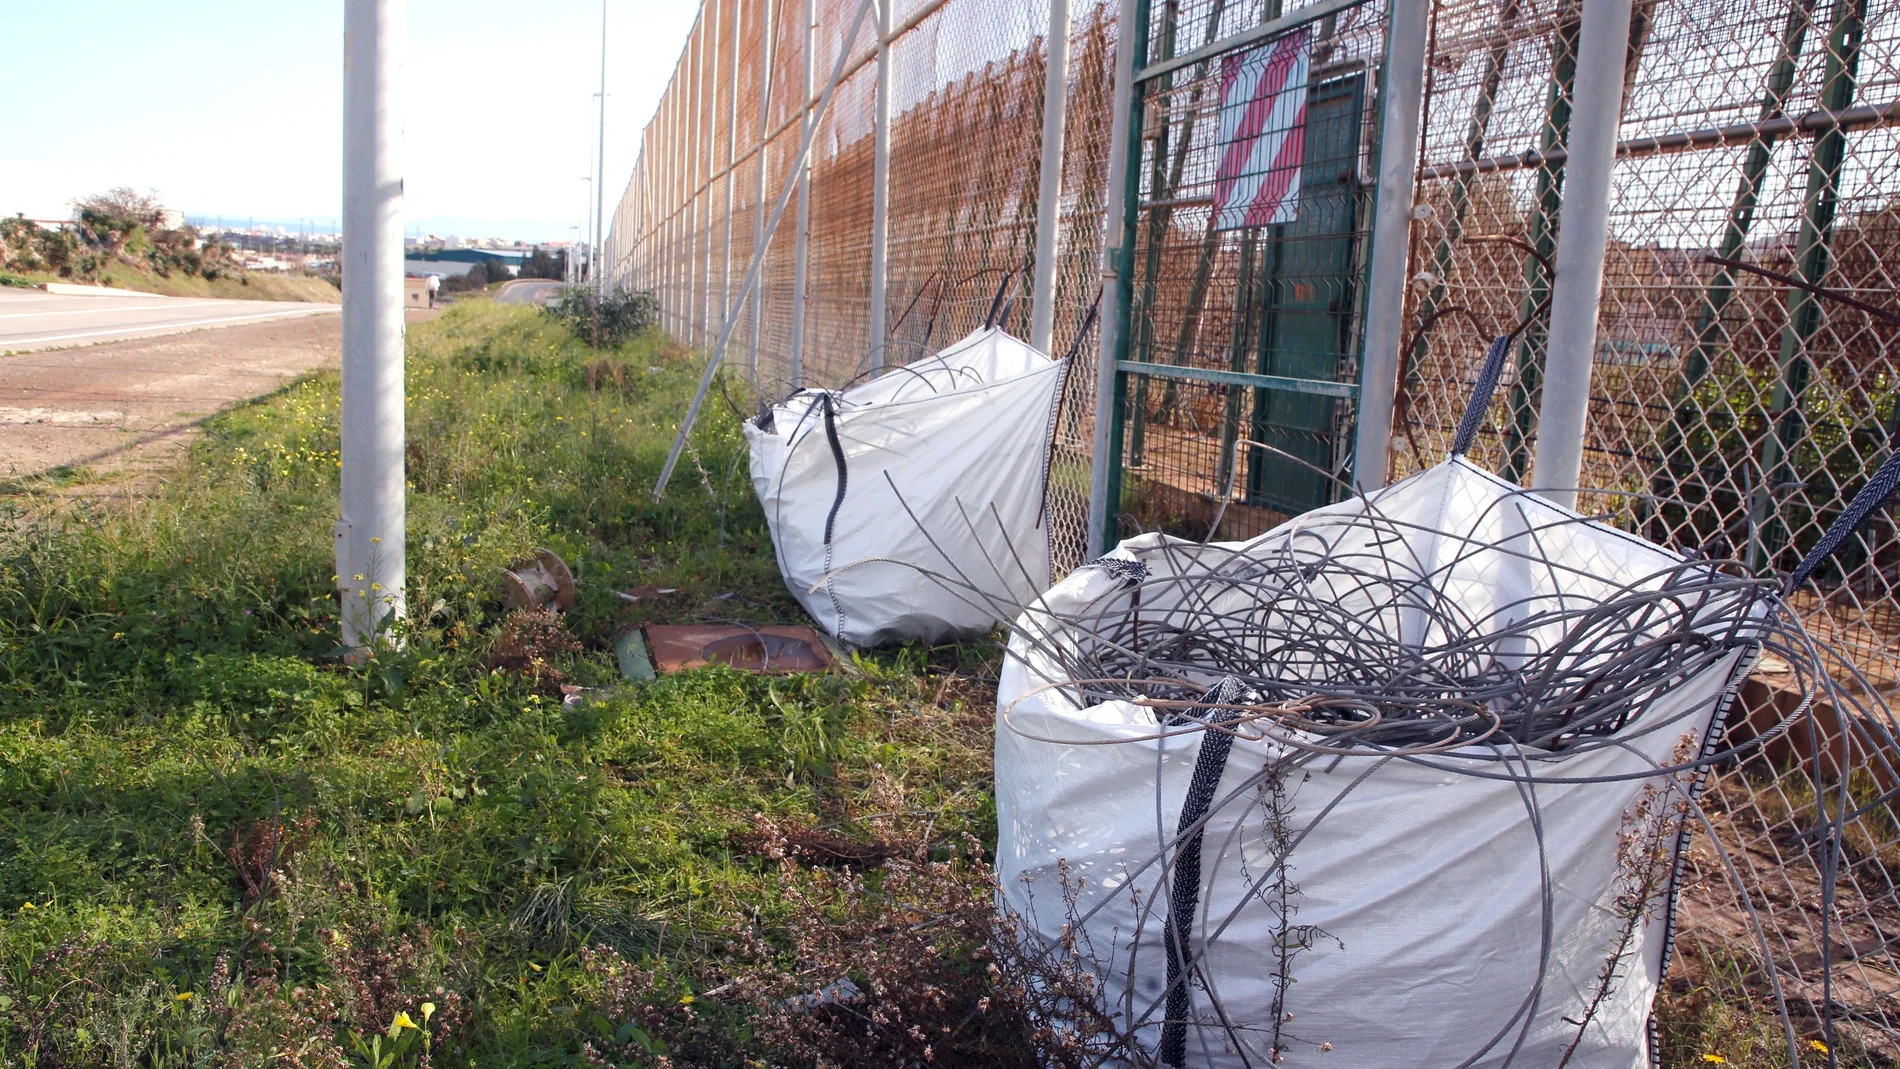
[1262, 133]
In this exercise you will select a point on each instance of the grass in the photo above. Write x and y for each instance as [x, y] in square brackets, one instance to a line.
[220, 845]
[253, 286]
[210, 828]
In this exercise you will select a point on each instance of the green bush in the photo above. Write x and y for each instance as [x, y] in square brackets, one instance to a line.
[608, 321]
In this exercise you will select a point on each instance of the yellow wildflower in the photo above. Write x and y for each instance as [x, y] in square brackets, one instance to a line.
[402, 1021]
[1716, 1058]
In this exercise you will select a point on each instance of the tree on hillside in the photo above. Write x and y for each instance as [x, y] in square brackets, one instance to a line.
[121, 204]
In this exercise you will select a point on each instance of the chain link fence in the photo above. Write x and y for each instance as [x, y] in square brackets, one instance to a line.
[965, 147]
[1744, 381]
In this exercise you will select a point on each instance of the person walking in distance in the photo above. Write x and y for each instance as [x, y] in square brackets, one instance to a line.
[435, 283]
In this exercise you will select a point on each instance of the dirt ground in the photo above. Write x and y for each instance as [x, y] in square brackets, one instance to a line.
[130, 405]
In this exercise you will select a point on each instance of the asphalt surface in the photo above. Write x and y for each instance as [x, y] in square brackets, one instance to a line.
[535, 291]
[31, 320]
[131, 403]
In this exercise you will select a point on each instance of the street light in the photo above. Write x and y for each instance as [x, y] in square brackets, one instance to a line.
[370, 565]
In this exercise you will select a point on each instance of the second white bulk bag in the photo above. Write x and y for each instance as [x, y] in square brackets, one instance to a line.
[911, 506]
[1360, 910]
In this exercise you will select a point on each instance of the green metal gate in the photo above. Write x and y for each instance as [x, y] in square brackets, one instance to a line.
[1312, 277]
[1237, 349]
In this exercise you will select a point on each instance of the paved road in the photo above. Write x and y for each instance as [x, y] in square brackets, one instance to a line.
[31, 319]
[534, 291]
[109, 405]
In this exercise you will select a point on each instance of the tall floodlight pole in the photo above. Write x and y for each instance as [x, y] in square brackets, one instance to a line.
[600, 186]
[1102, 451]
[1602, 51]
[369, 535]
[1055, 99]
[802, 240]
[881, 187]
[1401, 94]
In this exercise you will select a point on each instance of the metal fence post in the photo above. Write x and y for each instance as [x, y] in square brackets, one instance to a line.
[1768, 530]
[802, 247]
[676, 198]
[664, 265]
[1055, 101]
[1602, 48]
[370, 563]
[880, 186]
[1117, 262]
[695, 133]
[709, 149]
[1401, 94]
[1541, 236]
[732, 152]
[766, 56]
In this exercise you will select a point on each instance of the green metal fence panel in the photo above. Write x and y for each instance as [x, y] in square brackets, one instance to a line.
[1307, 320]
[1243, 334]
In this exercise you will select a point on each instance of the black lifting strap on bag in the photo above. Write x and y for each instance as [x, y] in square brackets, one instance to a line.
[837, 454]
[1481, 393]
[1186, 893]
[1871, 497]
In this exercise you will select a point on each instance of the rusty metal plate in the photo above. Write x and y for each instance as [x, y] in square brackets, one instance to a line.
[770, 648]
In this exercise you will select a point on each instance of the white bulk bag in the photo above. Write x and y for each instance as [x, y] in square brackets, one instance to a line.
[1417, 893]
[944, 464]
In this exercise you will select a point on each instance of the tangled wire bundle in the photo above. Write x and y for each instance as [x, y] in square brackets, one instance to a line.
[1330, 638]
[1450, 740]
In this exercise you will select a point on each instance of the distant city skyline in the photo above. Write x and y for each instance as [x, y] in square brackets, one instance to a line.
[442, 227]
[500, 120]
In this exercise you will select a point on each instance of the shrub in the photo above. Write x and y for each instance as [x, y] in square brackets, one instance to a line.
[605, 321]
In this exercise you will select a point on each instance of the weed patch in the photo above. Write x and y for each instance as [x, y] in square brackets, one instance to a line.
[221, 845]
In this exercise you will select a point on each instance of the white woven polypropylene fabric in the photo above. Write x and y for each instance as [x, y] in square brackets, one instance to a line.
[1415, 898]
[941, 531]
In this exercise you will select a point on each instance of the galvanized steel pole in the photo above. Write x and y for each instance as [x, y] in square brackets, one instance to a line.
[803, 240]
[760, 163]
[1114, 233]
[1602, 48]
[708, 152]
[880, 187]
[732, 150]
[691, 132]
[1402, 91]
[1055, 98]
[370, 564]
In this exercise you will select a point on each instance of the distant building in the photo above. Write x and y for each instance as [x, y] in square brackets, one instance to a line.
[453, 261]
[446, 268]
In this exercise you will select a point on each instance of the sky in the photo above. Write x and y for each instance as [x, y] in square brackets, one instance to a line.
[233, 108]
